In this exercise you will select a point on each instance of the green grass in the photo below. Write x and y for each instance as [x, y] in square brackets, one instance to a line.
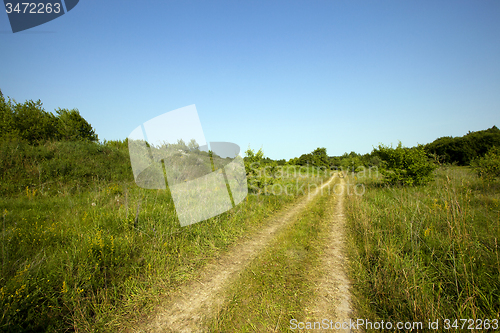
[68, 263]
[278, 283]
[74, 257]
[55, 165]
[429, 252]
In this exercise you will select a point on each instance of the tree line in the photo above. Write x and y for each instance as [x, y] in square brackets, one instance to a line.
[463, 150]
[28, 121]
[414, 165]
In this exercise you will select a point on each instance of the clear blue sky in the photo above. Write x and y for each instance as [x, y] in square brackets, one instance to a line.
[288, 76]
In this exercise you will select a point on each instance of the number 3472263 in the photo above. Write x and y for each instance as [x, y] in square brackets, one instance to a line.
[33, 8]
[471, 324]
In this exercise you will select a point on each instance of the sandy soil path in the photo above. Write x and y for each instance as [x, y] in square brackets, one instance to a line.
[201, 299]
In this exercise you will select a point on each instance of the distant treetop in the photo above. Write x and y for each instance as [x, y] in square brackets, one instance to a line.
[29, 121]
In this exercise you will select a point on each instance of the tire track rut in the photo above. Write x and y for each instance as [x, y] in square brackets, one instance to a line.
[334, 297]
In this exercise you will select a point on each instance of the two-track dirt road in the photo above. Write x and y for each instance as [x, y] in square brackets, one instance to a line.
[193, 303]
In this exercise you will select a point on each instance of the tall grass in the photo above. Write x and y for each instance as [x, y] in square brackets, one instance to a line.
[429, 252]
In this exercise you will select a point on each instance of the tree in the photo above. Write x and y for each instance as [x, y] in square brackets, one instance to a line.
[30, 122]
[259, 175]
[305, 159]
[406, 166]
[317, 158]
[352, 163]
[6, 117]
[73, 127]
[193, 145]
[320, 158]
[292, 161]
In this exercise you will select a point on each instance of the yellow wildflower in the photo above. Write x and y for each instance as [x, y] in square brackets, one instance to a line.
[64, 288]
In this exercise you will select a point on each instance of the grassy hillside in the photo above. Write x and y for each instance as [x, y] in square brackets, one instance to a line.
[52, 166]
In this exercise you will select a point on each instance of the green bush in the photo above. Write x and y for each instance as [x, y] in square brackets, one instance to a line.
[406, 166]
[351, 164]
[259, 175]
[317, 158]
[32, 123]
[488, 167]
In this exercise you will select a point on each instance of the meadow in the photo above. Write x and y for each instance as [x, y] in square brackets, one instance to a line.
[85, 249]
[427, 253]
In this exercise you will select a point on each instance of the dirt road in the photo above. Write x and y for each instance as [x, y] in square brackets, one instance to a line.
[196, 301]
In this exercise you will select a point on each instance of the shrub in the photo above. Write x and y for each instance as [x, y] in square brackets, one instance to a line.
[351, 164]
[406, 166]
[32, 123]
[259, 175]
[317, 158]
[488, 167]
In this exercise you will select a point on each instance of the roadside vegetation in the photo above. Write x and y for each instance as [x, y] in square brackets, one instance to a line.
[421, 253]
[83, 247]
[424, 237]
